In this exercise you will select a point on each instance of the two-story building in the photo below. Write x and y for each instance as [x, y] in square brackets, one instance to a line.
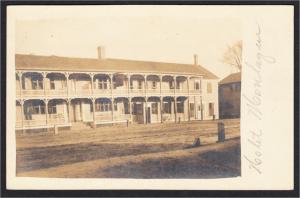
[230, 96]
[63, 91]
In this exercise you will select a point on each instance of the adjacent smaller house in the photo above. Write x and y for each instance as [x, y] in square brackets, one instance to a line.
[230, 96]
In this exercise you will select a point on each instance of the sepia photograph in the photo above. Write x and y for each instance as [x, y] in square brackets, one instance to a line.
[151, 97]
[128, 97]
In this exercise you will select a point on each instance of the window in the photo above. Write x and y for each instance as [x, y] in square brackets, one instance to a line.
[52, 109]
[231, 87]
[180, 107]
[209, 88]
[237, 87]
[139, 84]
[197, 85]
[137, 108]
[37, 84]
[171, 84]
[153, 85]
[131, 84]
[37, 109]
[115, 106]
[211, 109]
[102, 84]
[192, 109]
[126, 107]
[167, 107]
[177, 85]
[52, 84]
[103, 106]
[154, 108]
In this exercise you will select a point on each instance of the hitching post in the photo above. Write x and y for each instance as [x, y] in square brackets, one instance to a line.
[221, 132]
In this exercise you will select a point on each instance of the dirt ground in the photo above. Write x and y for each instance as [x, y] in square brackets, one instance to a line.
[137, 151]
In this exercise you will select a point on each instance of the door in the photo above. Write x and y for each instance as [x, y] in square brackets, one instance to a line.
[148, 115]
[77, 111]
[138, 113]
[200, 112]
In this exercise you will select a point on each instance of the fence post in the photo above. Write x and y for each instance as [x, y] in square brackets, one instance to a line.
[221, 132]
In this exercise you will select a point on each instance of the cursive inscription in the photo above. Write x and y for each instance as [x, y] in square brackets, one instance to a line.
[254, 103]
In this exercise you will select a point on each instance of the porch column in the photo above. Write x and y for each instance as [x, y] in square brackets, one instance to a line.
[175, 101]
[20, 75]
[111, 94]
[160, 82]
[46, 111]
[201, 106]
[69, 109]
[92, 83]
[195, 109]
[145, 85]
[111, 84]
[128, 84]
[129, 108]
[94, 115]
[112, 109]
[144, 110]
[67, 80]
[188, 88]
[161, 110]
[44, 81]
[22, 115]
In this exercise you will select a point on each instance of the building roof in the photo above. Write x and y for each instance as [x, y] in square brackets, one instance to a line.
[232, 78]
[57, 63]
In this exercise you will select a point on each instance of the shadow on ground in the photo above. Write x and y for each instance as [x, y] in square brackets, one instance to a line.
[213, 164]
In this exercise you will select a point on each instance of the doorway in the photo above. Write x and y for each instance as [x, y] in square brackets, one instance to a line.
[148, 115]
[138, 113]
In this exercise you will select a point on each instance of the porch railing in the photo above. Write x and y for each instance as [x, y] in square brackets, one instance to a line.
[100, 92]
[33, 92]
[55, 119]
[80, 92]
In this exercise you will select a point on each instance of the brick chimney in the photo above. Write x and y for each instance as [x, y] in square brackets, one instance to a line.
[101, 52]
[195, 59]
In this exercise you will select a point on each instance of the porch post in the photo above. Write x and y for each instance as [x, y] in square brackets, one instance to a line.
[20, 75]
[160, 82]
[69, 109]
[175, 101]
[111, 94]
[22, 115]
[145, 84]
[195, 109]
[128, 84]
[111, 84]
[112, 108]
[94, 115]
[145, 110]
[161, 110]
[201, 105]
[129, 108]
[46, 111]
[44, 82]
[67, 80]
[92, 83]
[188, 88]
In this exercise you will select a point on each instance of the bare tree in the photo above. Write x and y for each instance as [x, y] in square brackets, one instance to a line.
[233, 55]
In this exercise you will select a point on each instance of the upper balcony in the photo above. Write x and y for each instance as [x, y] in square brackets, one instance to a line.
[53, 85]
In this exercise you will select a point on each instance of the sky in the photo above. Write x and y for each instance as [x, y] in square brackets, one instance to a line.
[165, 35]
